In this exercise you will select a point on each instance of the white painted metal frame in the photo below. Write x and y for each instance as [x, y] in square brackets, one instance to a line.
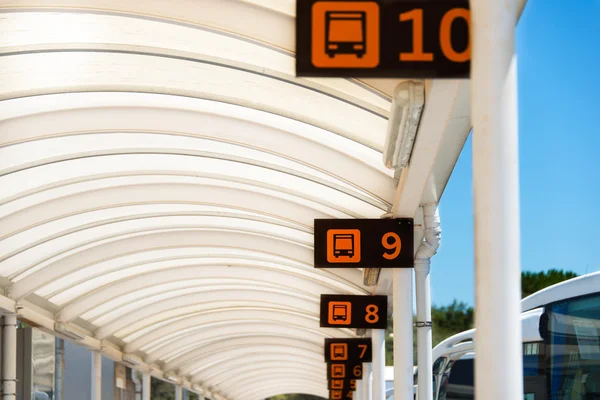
[498, 368]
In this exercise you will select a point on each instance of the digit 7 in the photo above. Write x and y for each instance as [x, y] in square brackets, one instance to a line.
[363, 347]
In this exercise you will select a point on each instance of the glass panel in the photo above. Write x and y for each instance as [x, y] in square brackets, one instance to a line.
[574, 327]
[58, 30]
[43, 72]
[42, 362]
[533, 359]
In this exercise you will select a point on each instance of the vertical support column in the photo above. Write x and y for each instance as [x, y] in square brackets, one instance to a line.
[378, 338]
[9, 357]
[402, 302]
[96, 392]
[146, 388]
[358, 393]
[424, 340]
[178, 392]
[59, 369]
[498, 364]
[367, 382]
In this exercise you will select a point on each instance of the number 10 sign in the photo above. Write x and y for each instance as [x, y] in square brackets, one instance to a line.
[364, 243]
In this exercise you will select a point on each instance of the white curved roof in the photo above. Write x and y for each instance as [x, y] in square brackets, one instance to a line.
[161, 168]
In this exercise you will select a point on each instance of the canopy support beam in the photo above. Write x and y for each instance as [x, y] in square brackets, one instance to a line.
[498, 366]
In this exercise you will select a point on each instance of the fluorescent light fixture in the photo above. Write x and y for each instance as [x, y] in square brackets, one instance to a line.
[370, 276]
[132, 359]
[407, 107]
[68, 332]
[198, 389]
[172, 377]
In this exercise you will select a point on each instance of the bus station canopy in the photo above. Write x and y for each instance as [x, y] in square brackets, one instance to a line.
[161, 167]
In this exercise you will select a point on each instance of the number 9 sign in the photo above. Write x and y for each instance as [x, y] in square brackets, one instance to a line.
[364, 243]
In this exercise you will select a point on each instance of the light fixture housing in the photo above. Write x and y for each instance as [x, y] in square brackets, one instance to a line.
[171, 377]
[198, 389]
[132, 359]
[68, 332]
[407, 106]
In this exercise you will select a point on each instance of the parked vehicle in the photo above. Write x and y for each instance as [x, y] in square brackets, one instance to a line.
[561, 347]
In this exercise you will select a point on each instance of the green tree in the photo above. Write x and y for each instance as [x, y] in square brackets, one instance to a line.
[459, 317]
[162, 390]
[532, 282]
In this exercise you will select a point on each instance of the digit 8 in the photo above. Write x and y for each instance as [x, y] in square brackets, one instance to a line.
[372, 316]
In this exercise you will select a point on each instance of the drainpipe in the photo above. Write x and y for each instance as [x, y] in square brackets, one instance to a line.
[135, 377]
[426, 250]
[59, 375]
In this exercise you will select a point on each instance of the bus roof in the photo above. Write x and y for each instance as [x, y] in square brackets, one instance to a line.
[581, 286]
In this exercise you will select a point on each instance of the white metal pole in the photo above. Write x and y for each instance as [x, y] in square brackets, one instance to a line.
[498, 363]
[146, 386]
[367, 381]
[96, 375]
[178, 392]
[424, 340]
[402, 302]
[378, 338]
[9, 357]
[358, 392]
[59, 369]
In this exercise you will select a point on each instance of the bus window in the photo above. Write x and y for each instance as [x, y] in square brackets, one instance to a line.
[574, 347]
[437, 370]
[461, 380]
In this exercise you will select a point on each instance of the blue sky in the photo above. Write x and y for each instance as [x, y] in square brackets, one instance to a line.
[558, 45]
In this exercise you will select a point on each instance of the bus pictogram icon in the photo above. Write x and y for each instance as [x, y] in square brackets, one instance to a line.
[337, 384]
[340, 313]
[339, 351]
[345, 34]
[338, 371]
[343, 246]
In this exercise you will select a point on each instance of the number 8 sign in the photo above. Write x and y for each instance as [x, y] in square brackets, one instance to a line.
[348, 311]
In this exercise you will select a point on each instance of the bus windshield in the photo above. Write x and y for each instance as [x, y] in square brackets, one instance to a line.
[346, 30]
[574, 338]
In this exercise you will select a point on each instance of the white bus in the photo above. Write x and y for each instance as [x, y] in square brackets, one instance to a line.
[561, 347]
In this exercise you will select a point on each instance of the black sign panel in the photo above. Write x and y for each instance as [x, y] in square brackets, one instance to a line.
[336, 394]
[383, 38]
[347, 311]
[364, 243]
[342, 384]
[357, 350]
[342, 371]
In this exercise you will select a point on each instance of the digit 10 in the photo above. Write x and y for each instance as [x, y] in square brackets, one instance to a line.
[418, 54]
[395, 246]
